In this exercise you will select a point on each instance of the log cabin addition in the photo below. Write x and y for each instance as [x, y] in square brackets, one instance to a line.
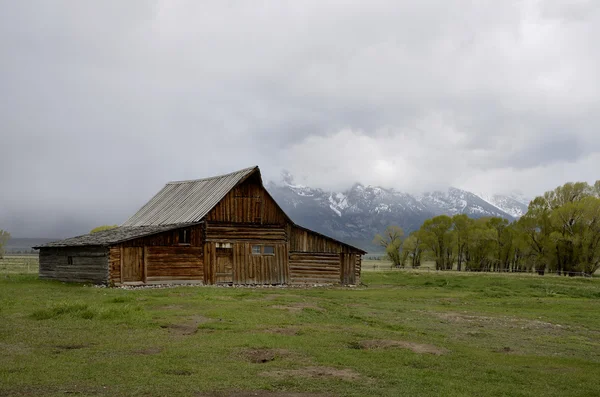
[225, 230]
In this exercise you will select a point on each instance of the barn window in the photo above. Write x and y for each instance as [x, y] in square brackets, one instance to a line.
[269, 250]
[69, 260]
[184, 236]
[256, 250]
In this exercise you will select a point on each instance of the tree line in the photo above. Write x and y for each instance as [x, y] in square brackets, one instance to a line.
[560, 233]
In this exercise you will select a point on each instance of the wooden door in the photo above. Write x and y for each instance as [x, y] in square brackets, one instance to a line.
[132, 264]
[224, 266]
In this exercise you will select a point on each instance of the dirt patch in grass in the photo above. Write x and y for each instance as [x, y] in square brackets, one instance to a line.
[189, 327]
[15, 348]
[388, 344]
[313, 373]
[505, 349]
[71, 346]
[261, 393]
[500, 321]
[148, 351]
[298, 307]
[169, 307]
[178, 372]
[261, 356]
[289, 331]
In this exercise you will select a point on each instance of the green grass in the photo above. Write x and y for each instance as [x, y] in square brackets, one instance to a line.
[497, 335]
[19, 264]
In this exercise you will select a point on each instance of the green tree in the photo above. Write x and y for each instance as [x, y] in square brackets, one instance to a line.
[103, 228]
[462, 225]
[412, 249]
[4, 237]
[438, 237]
[391, 240]
[561, 229]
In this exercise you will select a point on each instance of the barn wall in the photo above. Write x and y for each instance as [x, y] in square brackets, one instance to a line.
[302, 240]
[321, 260]
[249, 268]
[348, 269]
[168, 238]
[163, 259]
[86, 264]
[174, 263]
[246, 268]
[314, 268]
[248, 203]
[358, 268]
[236, 232]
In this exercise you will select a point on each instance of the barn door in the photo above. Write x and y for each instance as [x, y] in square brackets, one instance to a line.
[224, 266]
[132, 264]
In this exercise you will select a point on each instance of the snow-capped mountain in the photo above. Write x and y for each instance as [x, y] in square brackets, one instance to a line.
[514, 204]
[356, 215]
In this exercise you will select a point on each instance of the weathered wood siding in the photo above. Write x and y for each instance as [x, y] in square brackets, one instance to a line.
[348, 269]
[75, 264]
[246, 268]
[174, 263]
[159, 258]
[321, 260]
[358, 268]
[238, 265]
[168, 238]
[314, 268]
[114, 265]
[234, 232]
[249, 268]
[302, 240]
[248, 203]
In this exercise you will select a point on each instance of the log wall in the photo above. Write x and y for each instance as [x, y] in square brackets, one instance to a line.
[75, 264]
[302, 240]
[174, 263]
[163, 258]
[358, 268]
[314, 268]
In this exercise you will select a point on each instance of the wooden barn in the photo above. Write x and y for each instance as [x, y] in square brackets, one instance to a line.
[221, 230]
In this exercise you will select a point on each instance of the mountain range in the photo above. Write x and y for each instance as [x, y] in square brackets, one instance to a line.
[357, 214]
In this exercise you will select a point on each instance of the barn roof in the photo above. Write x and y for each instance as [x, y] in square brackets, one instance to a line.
[187, 201]
[111, 236]
[178, 204]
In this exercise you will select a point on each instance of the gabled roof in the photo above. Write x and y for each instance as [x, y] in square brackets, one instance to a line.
[187, 201]
[178, 204]
[111, 236]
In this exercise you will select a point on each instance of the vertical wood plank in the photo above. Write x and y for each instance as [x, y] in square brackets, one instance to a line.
[121, 258]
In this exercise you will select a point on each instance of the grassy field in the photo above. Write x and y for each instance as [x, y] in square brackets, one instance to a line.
[19, 264]
[405, 333]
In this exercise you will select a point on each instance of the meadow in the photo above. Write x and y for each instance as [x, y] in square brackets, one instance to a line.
[421, 333]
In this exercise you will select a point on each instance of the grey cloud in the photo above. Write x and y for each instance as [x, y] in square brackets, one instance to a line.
[102, 103]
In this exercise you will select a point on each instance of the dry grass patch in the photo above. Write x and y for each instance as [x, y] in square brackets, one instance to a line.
[261, 393]
[261, 356]
[189, 327]
[289, 331]
[501, 321]
[314, 373]
[148, 351]
[298, 307]
[415, 347]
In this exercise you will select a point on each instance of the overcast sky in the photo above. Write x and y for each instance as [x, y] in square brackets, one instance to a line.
[103, 102]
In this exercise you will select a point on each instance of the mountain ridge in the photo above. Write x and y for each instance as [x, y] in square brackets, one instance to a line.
[355, 215]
